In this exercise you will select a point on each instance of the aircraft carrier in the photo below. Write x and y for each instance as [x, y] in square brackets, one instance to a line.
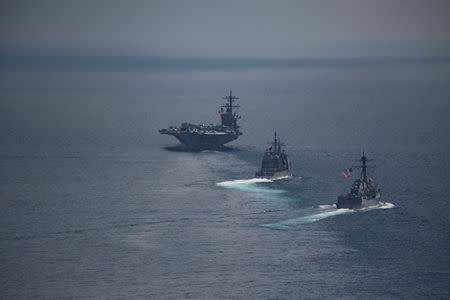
[199, 137]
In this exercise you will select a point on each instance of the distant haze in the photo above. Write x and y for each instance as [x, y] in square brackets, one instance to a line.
[246, 29]
[349, 72]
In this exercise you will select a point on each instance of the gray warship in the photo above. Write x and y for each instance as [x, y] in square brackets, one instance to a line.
[199, 137]
[275, 163]
[364, 191]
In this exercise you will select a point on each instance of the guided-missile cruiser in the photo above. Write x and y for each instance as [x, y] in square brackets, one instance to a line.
[275, 163]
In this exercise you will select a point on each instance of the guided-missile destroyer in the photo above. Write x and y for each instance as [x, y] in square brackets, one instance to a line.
[364, 192]
[275, 162]
[207, 136]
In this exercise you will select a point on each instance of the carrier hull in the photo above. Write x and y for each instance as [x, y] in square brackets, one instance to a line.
[203, 141]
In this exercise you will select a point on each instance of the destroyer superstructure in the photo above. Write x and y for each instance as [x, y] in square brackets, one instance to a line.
[364, 192]
[275, 163]
[208, 136]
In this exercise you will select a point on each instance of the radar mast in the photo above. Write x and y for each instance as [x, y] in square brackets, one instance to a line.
[228, 117]
[364, 166]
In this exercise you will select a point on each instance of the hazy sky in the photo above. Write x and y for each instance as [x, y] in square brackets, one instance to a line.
[211, 28]
[80, 90]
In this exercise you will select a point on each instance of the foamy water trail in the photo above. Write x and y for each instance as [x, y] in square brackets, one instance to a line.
[249, 185]
[386, 205]
[326, 206]
[238, 181]
[330, 211]
[292, 223]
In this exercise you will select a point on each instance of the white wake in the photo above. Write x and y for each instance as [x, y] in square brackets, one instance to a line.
[243, 181]
[250, 185]
[326, 211]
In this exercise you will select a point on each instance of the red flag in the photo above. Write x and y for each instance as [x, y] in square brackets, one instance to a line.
[347, 173]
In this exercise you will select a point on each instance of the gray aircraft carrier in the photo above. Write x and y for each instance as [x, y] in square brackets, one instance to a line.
[207, 136]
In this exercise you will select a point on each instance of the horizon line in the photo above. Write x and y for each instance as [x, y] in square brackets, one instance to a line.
[10, 59]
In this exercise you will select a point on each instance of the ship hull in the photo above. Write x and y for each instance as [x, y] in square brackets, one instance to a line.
[203, 141]
[357, 202]
[272, 175]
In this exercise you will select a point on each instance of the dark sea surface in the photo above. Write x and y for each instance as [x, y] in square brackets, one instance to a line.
[93, 205]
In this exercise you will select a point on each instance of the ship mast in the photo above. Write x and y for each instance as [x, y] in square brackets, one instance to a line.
[229, 106]
[364, 166]
[276, 144]
[228, 117]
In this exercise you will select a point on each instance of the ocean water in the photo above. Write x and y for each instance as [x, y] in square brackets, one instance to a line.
[93, 205]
